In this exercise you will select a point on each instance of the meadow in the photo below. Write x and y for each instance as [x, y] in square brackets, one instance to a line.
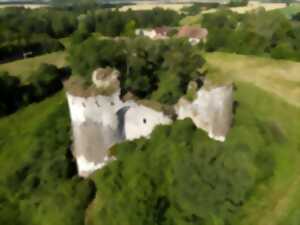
[269, 90]
[290, 10]
[279, 77]
[24, 67]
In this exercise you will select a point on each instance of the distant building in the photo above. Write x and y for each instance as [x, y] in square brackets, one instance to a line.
[155, 33]
[195, 34]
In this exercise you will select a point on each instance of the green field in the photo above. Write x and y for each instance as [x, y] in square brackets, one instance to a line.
[24, 67]
[270, 90]
[279, 77]
[290, 10]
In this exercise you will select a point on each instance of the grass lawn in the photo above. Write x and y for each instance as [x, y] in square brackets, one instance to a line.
[268, 91]
[290, 10]
[23, 68]
[279, 77]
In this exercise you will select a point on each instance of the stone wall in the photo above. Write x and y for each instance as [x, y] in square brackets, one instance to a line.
[99, 121]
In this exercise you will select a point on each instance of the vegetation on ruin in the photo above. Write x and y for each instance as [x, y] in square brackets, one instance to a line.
[158, 70]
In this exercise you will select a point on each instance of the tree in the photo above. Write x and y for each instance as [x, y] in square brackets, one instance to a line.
[130, 28]
[178, 176]
[45, 81]
[9, 93]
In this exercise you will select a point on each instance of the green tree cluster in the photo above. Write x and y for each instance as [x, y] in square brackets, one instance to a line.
[179, 176]
[159, 70]
[41, 186]
[45, 81]
[256, 33]
[114, 22]
[33, 31]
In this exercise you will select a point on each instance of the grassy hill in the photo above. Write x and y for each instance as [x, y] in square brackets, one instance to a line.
[38, 182]
[279, 77]
[267, 89]
[290, 10]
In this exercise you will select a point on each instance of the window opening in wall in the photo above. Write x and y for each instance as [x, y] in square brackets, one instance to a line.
[97, 104]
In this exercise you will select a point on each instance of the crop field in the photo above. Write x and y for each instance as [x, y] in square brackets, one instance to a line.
[28, 6]
[149, 6]
[190, 20]
[252, 5]
[22, 68]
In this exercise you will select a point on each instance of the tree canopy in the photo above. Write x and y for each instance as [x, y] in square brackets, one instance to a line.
[159, 70]
[179, 176]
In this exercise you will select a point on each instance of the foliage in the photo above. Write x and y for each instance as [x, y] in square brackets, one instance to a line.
[113, 23]
[33, 32]
[9, 99]
[159, 70]
[37, 178]
[45, 81]
[257, 33]
[180, 176]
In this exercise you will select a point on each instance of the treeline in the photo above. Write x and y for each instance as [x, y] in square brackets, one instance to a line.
[115, 23]
[159, 70]
[257, 33]
[45, 81]
[25, 32]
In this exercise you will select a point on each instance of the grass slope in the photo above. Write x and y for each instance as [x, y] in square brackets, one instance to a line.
[279, 77]
[290, 10]
[38, 185]
[23, 68]
[275, 202]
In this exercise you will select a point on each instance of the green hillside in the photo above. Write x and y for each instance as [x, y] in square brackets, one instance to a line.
[290, 10]
[38, 182]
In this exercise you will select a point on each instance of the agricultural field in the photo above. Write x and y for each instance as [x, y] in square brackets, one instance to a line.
[27, 6]
[252, 5]
[24, 67]
[149, 6]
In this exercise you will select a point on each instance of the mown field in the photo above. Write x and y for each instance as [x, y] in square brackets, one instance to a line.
[279, 77]
[268, 89]
[24, 67]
